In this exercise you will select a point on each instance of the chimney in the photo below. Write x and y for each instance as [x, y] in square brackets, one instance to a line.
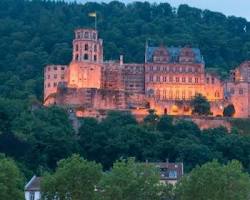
[121, 59]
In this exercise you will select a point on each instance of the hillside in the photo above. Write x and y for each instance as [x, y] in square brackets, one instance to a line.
[33, 34]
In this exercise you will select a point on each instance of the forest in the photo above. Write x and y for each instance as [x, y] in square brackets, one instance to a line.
[40, 32]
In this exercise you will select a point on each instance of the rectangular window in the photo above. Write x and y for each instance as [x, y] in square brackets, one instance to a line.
[32, 196]
[170, 79]
[151, 78]
[55, 76]
[232, 90]
[241, 91]
[172, 174]
[190, 79]
[164, 79]
[177, 79]
[183, 79]
[196, 80]
[158, 78]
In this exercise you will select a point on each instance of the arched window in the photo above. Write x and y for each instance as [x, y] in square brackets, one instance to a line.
[86, 56]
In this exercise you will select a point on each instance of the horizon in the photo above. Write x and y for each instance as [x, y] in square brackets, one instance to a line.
[234, 8]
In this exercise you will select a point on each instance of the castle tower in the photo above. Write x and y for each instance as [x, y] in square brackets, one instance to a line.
[85, 68]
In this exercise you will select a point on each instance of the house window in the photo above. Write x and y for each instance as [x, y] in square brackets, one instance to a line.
[95, 48]
[232, 90]
[207, 80]
[62, 68]
[164, 79]
[158, 78]
[95, 57]
[55, 84]
[151, 78]
[77, 47]
[48, 84]
[177, 79]
[55, 68]
[183, 79]
[32, 196]
[172, 174]
[62, 76]
[48, 76]
[183, 95]
[55, 76]
[196, 80]
[77, 57]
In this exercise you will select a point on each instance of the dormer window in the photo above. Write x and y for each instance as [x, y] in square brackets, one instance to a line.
[187, 55]
[86, 35]
[161, 55]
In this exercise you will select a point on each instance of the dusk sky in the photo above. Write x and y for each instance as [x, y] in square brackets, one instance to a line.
[240, 8]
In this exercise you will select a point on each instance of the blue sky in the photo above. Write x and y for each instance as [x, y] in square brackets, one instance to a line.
[240, 8]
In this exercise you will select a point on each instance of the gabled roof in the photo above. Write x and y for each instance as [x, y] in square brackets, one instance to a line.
[33, 184]
[174, 53]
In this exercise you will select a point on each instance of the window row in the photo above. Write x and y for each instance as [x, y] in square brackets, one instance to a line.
[86, 47]
[55, 76]
[50, 85]
[240, 91]
[55, 68]
[85, 57]
[86, 35]
[171, 79]
[173, 94]
[173, 69]
[210, 80]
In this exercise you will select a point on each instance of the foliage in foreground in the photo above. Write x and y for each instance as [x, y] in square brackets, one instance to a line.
[215, 181]
[11, 180]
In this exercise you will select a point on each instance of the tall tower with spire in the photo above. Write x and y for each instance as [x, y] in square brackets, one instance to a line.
[85, 68]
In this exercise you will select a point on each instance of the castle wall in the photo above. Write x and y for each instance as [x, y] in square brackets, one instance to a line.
[53, 75]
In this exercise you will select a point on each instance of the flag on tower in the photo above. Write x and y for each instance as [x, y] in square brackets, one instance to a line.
[92, 14]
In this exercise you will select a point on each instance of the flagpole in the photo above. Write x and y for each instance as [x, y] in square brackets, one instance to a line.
[96, 22]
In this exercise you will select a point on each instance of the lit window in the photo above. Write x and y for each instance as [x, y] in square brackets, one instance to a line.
[170, 79]
[172, 174]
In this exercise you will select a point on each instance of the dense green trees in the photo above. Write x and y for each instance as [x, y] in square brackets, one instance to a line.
[200, 105]
[229, 111]
[215, 181]
[75, 178]
[11, 180]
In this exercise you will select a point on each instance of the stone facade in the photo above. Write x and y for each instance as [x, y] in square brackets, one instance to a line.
[167, 81]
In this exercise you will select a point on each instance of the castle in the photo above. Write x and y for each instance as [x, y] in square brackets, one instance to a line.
[167, 81]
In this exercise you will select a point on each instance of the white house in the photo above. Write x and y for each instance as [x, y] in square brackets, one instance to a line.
[32, 189]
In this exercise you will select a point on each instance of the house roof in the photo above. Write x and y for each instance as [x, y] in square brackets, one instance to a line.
[170, 171]
[174, 53]
[33, 184]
